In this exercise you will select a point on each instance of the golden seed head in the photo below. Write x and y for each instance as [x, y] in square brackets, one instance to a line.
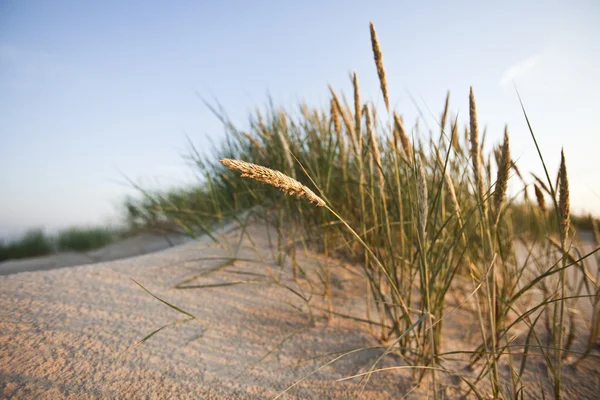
[286, 150]
[445, 113]
[395, 132]
[283, 120]
[475, 148]
[271, 177]
[454, 137]
[357, 111]
[401, 133]
[347, 121]
[503, 169]
[379, 64]
[542, 184]
[564, 204]
[540, 199]
[335, 118]
[421, 199]
[473, 119]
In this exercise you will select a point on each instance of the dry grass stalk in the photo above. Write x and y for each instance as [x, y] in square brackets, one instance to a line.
[449, 184]
[305, 111]
[540, 199]
[396, 131]
[337, 127]
[483, 136]
[557, 180]
[254, 142]
[541, 183]
[283, 120]
[347, 121]
[454, 137]
[260, 120]
[503, 169]
[315, 119]
[498, 155]
[271, 177]
[379, 64]
[401, 133]
[357, 112]
[374, 148]
[476, 149]
[517, 171]
[445, 113]
[488, 170]
[564, 204]
[262, 130]
[422, 205]
[335, 119]
[286, 150]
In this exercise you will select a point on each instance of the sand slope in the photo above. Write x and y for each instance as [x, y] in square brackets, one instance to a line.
[64, 333]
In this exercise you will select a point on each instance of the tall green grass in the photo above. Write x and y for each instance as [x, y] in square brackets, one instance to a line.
[427, 218]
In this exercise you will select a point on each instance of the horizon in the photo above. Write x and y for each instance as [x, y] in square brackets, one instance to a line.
[95, 93]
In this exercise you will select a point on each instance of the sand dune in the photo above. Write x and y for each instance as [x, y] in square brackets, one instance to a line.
[64, 333]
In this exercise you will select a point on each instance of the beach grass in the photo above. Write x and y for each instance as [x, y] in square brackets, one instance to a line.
[36, 242]
[85, 239]
[426, 216]
[33, 243]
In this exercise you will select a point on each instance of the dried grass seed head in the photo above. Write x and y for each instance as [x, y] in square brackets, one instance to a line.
[347, 121]
[335, 118]
[445, 113]
[274, 178]
[404, 140]
[540, 198]
[503, 170]
[357, 111]
[564, 204]
[378, 56]
[476, 148]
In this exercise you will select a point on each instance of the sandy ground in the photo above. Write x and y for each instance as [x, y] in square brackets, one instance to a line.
[65, 333]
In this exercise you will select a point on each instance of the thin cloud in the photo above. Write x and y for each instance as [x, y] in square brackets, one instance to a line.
[519, 70]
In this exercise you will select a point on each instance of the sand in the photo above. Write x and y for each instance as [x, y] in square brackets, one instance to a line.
[65, 333]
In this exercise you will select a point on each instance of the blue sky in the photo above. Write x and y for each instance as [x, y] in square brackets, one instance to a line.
[93, 90]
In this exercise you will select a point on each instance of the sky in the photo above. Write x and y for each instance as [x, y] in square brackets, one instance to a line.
[94, 92]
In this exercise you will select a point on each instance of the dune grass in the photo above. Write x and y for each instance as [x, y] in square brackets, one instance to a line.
[37, 243]
[426, 216]
[85, 239]
[34, 243]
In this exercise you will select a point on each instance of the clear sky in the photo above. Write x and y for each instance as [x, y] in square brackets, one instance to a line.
[90, 91]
